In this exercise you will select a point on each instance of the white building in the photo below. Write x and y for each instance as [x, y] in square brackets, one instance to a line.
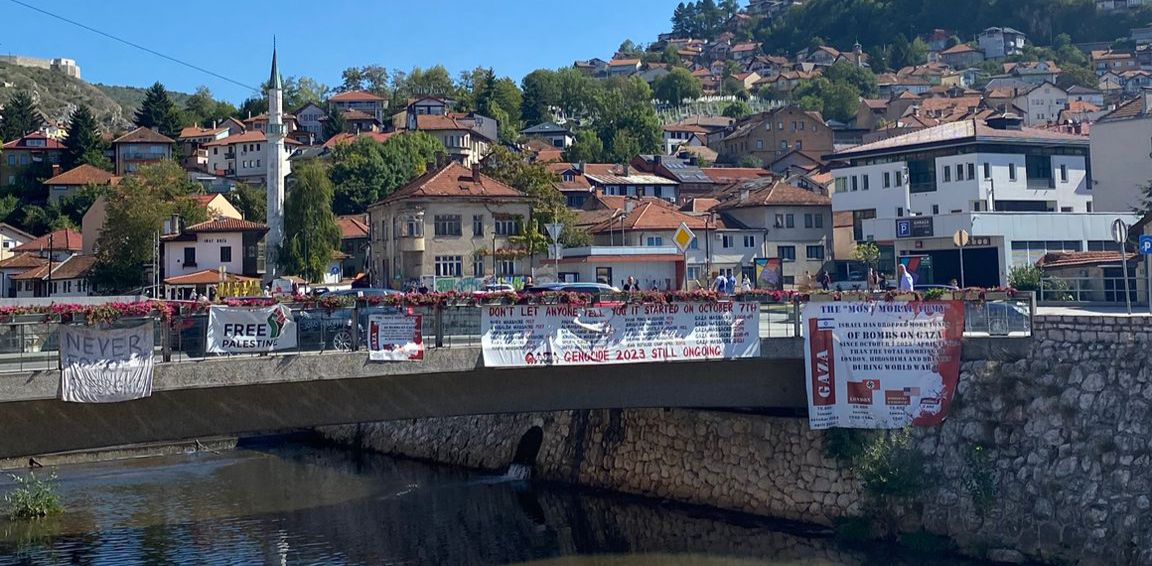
[998, 43]
[911, 193]
[243, 156]
[224, 245]
[1122, 155]
[559, 136]
[1042, 104]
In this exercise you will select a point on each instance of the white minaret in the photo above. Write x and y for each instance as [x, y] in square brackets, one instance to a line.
[278, 169]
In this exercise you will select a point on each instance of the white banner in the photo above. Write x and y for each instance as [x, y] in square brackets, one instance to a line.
[518, 336]
[106, 365]
[881, 365]
[233, 330]
[395, 338]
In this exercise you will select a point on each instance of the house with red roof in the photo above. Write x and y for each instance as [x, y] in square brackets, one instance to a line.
[28, 157]
[354, 241]
[360, 101]
[242, 156]
[10, 237]
[67, 278]
[77, 178]
[454, 223]
[227, 245]
[140, 147]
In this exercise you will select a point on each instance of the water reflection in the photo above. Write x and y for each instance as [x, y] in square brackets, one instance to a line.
[307, 505]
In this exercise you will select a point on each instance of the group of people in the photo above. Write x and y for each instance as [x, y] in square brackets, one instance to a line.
[728, 285]
[630, 285]
[877, 280]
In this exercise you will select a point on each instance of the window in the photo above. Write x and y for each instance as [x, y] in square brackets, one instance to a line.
[507, 226]
[899, 212]
[1063, 173]
[808, 221]
[855, 183]
[506, 267]
[759, 144]
[935, 209]
[887, 179]
[726, 241]
[899, 178]
[449, 265]
[225, 254]
[447, 224]
[784, 145]
[959, 172]
[818, 219]
[987, 170]
[866, 177]
[477, 225]
[12, 159]
[947, 174]
[800, 143]
[790, 220]
[815, 252]
[478, 266]
[780, 126]
[1039, 170]
[786, 253]
[655, 241]
[971, 171]
[841, 184]
[779, 220]
[749, 241]
[1011, 171]
[414, 228]
[189, 257]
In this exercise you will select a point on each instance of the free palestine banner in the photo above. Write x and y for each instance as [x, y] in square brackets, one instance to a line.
[881, 365]
[520, 336]
[106, 365]
[233, 330]
[395, 338]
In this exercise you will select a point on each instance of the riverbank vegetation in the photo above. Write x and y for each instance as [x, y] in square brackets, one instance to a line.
[32, 497]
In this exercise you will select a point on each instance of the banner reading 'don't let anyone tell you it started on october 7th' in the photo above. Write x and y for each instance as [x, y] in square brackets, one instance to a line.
[519, 336]
[881, 365]
[238, 330]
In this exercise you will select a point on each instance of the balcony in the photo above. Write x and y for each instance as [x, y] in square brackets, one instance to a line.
[412, 244]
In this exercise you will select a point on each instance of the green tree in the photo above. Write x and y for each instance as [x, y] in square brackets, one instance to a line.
[136, 211]
[859, 77]
[250, 201]
[159, 112]
[365, 171]
[536, 181]
[1076, 75]
[299, 91]
[588, 148]
[311, 235]
[334, 123]
[836, 101]
[200, 108]
[76, 204]
[541, 92]
[84, 144]
[21, 116]
[737, 110]
[253, 106]
[628, 47]
[353, 79]
[677, 86]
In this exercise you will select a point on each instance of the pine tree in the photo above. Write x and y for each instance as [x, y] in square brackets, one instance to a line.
[21, 116]
[333, 123]
[311, 234]
[159, 112]
[83, 144]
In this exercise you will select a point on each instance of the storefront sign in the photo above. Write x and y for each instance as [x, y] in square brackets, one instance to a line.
[395, 338]
[233, 330]
[914, 227]
[519, 336]
[106, 365]
[881, 365]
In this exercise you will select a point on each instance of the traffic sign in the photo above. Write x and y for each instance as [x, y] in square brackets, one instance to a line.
[960, 238]
[554, 230]
[683, 237]
[1119, 231]
[1146, 245]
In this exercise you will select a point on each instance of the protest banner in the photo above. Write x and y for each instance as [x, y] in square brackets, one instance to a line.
[520, 336]
[881, 365]
[395, 338]
[106, 365]
[235, 330]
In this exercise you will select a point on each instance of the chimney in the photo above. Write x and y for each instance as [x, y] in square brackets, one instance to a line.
[580, 167]
[476, 172]
[694, 161]
[55, 169]
[743, 195]
[173, 225]
[629, 206]
[627, 170]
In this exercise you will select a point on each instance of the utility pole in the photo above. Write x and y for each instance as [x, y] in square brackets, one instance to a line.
[51, 244]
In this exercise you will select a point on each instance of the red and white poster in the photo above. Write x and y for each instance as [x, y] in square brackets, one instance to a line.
[395, 338]
[881, 365]
[564, 335]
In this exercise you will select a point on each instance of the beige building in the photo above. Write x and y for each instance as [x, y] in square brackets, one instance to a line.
[770, 135]
[450, 223]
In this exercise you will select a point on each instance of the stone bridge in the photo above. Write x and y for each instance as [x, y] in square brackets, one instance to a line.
[229, 396]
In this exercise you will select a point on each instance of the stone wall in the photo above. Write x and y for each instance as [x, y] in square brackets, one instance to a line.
[1065, 427]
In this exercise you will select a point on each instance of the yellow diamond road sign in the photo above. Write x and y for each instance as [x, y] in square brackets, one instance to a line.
[683, 237]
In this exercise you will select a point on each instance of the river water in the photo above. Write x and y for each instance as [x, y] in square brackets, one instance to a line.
[302, 504]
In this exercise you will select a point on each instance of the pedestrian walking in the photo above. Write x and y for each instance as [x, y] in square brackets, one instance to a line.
[720, 285]
[906, 284]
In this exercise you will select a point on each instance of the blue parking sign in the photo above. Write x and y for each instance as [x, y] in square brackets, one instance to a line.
[1146, 245]
[903, 228]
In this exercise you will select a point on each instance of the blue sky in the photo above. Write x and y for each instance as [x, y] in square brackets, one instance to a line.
[320, 39]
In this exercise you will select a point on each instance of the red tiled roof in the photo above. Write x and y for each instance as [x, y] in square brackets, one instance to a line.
[349, 138]
[1056, 260]
[771, 192]
[356, 96]
[959, 48]
[652, 215]
[83, 175]
[49, 143]
[226, 225]
[611, 174]
[75, 267]
[23, 261]
[693, 128]
[434, 122]
[358, 116]
[1132, 109]
[700, 204]
[454, 180]
[623, 62]
[197, 132]
[352, 227]
[61, 240]
[578, 183]
[32, 274]
[251, 136]
[721, 175]
[550, 155]
[143, 135]
[206, 277]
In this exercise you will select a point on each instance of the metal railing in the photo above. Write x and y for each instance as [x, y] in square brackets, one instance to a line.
[31, 343]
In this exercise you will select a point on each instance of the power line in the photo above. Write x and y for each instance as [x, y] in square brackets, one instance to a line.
[136, 45]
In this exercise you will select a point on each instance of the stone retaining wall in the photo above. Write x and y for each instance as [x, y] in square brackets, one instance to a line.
[1066, 429]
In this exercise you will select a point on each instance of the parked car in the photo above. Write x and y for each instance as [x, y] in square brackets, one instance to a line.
[846, 275]
[496, 288]
[585, 288]
[362, 293]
